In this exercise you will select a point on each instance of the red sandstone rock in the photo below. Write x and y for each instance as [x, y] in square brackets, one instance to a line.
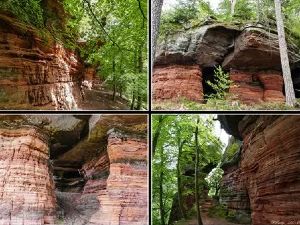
[246, 93]
[36, 73]
[26, 185]
[268, 169]
[177, 81]
[125, 199]
[272, 80]
[256, 87]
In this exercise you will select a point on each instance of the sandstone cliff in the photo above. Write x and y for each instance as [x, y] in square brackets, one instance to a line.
[264, 181]
[73, 170]
[185, 60]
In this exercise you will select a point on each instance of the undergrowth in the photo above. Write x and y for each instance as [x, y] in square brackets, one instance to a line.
[216, 104]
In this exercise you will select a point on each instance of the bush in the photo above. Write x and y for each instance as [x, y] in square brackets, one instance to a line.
[221, 84]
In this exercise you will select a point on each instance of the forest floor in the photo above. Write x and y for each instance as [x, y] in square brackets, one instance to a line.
[207, 221]
[102, 99]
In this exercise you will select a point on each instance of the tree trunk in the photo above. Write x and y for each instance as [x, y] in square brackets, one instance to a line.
[233, 3]
[139, 102]
[217, 190]
[132, 101]
[258, 10]
[197, 174]
[140, 70]
[161, 192]
[157, 133]
[114, 79]
[286, 71]
[181, 208]
[155, 19]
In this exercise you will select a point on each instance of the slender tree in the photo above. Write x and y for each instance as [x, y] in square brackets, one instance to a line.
[161, 190]
[180, 144]
[199, 219]
[157, 132]
[258, 11]
[232, 7]
[155, 22]
[286, 71]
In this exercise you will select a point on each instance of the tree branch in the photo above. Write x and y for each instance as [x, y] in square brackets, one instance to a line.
[140, 6]
[99, 22]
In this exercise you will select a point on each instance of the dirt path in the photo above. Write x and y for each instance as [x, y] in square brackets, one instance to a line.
[207, 221]
[102, 100]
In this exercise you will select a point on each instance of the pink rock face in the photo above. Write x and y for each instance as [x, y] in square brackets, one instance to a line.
[268, 171]
[125, 199]
[26, 186]
[255, 88]
[97, 167]
[270, 167]
[36, 72]
[177, 81]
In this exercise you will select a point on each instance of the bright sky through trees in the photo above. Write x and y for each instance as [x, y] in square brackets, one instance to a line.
[171, 3]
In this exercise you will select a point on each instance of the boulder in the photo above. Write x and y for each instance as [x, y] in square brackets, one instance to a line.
[205, 45]
[257, 49]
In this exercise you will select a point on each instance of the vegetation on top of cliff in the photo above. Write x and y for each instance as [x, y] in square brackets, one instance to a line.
[231, 155]
[28, 11]
[178, 171]
[189, 14]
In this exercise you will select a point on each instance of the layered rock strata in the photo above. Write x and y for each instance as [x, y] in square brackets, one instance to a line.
[256, 87]
[268, 170]
[177, 82]
[26, 183]
[35, 71]
[124, 201]
[98, 177]
[251, 54]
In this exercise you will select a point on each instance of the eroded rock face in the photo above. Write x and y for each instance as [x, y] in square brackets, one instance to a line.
[124, 201]
[256, 48]
[26, 183]
[177, 81]
[36, 72]
[256, 87]
[268, 169]
[206, 45]
[251, 53]
[99, 164]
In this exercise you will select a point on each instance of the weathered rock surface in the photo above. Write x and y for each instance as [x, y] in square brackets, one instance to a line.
[36, 72]
[206, 46]
[125, 199]
[26, 184]
[251, 54]
[256, 87]
[255, 48]
[177, 81]
[268, 171]
[99, 164]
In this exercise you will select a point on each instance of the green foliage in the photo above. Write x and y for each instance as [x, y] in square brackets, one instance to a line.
[175, 130]
[291, 11]
[116, 37]
[214, 179]
[216, 104]
[231, 149]
[219, 211]
[221, 84]
[28, 11]
[184, 15]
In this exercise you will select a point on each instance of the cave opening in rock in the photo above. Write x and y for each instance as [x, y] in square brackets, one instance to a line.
[208, 75]
[296, 81]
